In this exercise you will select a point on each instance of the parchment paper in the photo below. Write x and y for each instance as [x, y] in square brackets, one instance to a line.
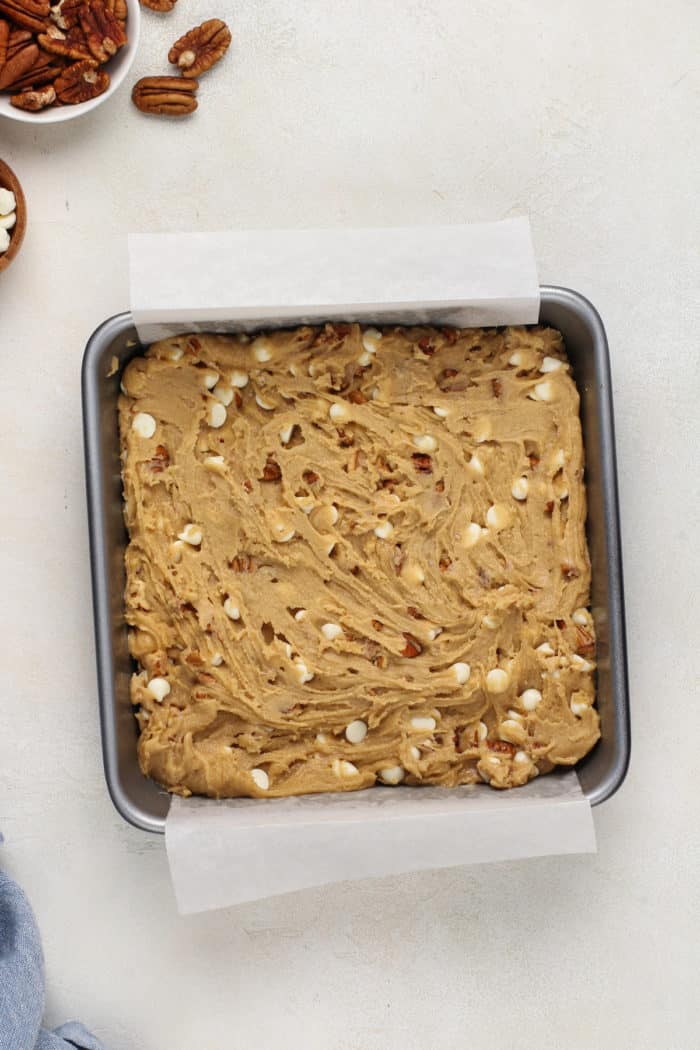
[224, 853]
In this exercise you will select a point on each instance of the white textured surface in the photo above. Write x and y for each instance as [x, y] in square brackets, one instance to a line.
[368, 113]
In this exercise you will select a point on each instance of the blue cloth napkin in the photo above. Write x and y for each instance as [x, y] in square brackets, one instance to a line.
[22, 982]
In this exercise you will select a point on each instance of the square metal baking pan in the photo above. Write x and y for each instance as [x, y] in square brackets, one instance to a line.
[114, 343]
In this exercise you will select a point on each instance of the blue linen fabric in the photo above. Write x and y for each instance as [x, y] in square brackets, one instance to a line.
[22, 982]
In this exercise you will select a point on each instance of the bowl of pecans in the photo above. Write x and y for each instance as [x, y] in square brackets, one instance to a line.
[62, 59]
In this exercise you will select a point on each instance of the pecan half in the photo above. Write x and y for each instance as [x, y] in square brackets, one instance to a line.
[80, 82]
[66, 13]
[118, 9]
[34, 100]
[18, 62]
[104, 34]
[166, 96]
[159, 5]
[45, 70]
[28, 14]
[4, 41]
[201, 48]
[70, 43]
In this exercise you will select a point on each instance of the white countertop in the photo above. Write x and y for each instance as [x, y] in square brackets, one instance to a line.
[383, 113]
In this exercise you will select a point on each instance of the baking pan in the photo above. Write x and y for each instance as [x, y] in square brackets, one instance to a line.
[114, 343]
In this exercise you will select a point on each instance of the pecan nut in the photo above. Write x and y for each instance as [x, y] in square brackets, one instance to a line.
[43, 72]
[201, 48]
[81, 82]
[159, 5]
[66, 13]
[28, 14]
[103, 32]
[118, 9]
[166, 96]
[4, 41]
[69, 43]
[34, 100]
[19, 61]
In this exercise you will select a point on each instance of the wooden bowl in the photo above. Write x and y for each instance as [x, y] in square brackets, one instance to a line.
[9, 181]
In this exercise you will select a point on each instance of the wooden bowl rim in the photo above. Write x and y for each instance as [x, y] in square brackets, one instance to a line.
[9, 181]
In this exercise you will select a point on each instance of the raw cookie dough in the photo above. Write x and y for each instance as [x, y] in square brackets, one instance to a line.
[356, 557]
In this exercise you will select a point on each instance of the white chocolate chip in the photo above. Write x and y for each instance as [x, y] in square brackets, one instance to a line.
[339, 412]
[461, 672]
[323, 518]
[262, 351]
[144, 425]
[490, 622]
[578, 708]
[8, 201]
[282, 532]
[174, 354]
[4, 241]
[516, 359]
[423, 723]
[231, 609]
[216, 416]
[542, 391]
[392, 775]
[330, 548]
[498, 516]
[223, 393]
[433, 633]
[286, 434]
[304, 674]
[471, 535]
[521, 757]
[260, 779]
[238, 379]
[497, 680]
[216, 660]
[209, 379]
[176, 550]
[414, 752]
[482, 731]
[476, 465]
[581, 616]
[342, 768]
[412, 573]
[191, 534]
[515, 715]
[384, 530]
[558, 460]
[580, 664]
[300, 615]
[482, 430]
[545, 648]
[215, 463]
[441, 413]
[424, 442]
[321, 738]
[262, 403]
[520, 488]
[365, 358]
[331, 631]
[158, 688]
[370, 339]
[551, 364]
[530, 699]
[7, 222]
[356, 732]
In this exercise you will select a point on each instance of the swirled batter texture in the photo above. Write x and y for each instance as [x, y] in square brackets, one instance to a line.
[356, 557]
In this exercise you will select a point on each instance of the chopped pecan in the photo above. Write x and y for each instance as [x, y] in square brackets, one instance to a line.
[195, 658]
[501, 746]
[357, 397]
[345, 439]
[497, 386]
[103, 32]
[549, 506]
[248, 485]
[569, 572]
[440, 486]
[378, 625]
[18, 64]
[159, 5]
[450, 335]
[166, 96]
[271, 470]
[412, 611]
[243, 563]
[160, 460]
[422, 462]
[27, 14]
[426, 346]
[201, 48]
[69, 43]
[444, 563]
[81, 82]
[310, 477]
[534, 459]
[34, 100]
[412, 647]
[585, 641]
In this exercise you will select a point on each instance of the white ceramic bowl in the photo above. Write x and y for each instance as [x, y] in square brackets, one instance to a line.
[117, 67]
